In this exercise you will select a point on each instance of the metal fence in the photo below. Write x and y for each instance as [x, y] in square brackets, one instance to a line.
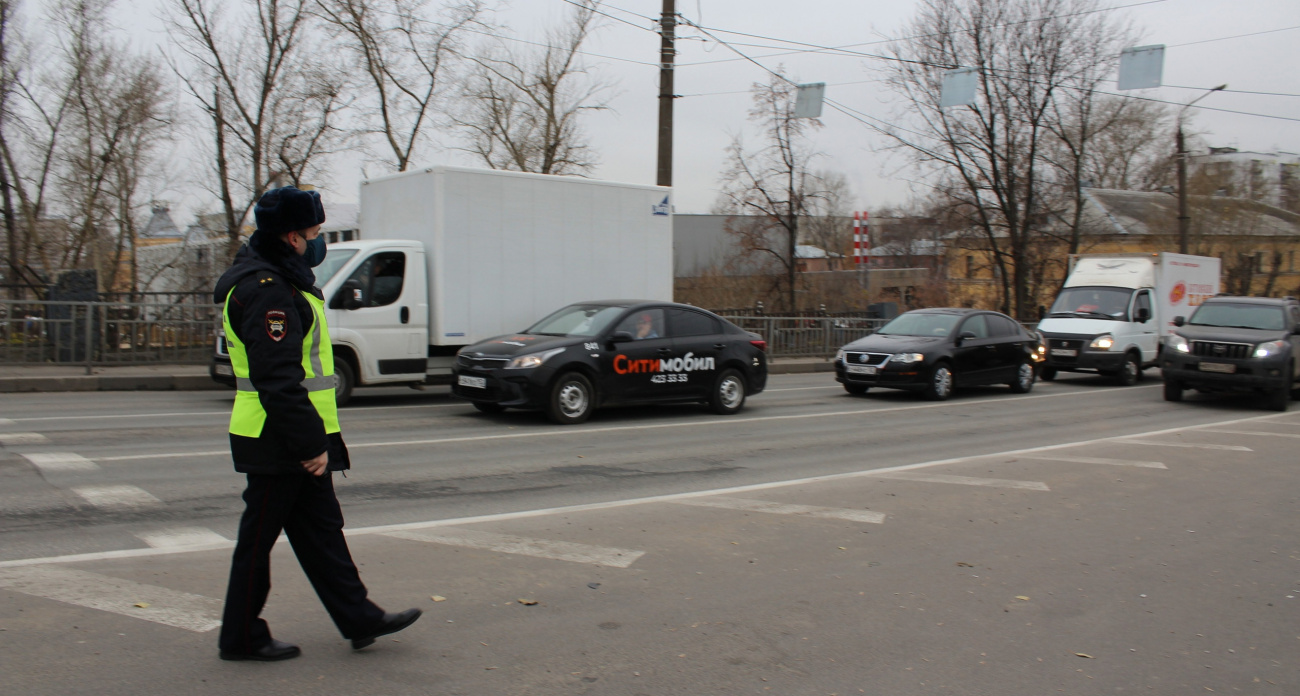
[106, 333]
[807, 337]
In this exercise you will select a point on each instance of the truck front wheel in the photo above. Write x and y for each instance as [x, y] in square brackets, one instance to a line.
[572, 399]
[1131, 372]
[344, 380]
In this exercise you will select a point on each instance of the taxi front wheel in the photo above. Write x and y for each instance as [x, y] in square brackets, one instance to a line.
[728, 394]
[571, 399]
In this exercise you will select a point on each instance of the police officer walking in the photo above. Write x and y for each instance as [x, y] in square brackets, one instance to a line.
[284, 432]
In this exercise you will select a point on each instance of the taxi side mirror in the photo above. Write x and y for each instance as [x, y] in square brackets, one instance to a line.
[621, 337]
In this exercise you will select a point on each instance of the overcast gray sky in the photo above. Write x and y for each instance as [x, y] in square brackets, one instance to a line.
[714, 81]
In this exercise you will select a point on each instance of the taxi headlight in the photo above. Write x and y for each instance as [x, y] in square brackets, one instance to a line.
[1177, 343]
[1102, 342]
[1268, 350]
[531, 360]
[907, 358]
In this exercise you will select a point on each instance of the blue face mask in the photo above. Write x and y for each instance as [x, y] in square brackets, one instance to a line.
[315, 252]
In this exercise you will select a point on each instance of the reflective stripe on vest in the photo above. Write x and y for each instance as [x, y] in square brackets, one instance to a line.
[248, 417]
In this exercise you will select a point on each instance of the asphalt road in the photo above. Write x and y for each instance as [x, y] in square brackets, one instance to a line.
[1081, 539]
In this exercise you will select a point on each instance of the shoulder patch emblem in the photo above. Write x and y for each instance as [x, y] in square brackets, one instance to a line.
[266, 280]
[275, 324]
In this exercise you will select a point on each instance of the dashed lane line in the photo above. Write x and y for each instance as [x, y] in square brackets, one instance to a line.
[181, 537]
[682, 424]
[1255, 432]
[1189, 445]
[174, 414]
[53, 462]
[522, 546]
[94, 591]
[22, 439]
[746, 505]
[615, 504]
[7, 421]
[1094, 460]
[963, 480]
[117, 496]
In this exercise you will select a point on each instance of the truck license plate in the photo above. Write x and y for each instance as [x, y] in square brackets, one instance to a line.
[1225, 368]
[1065, 352]
[861, 369]
[475, 382]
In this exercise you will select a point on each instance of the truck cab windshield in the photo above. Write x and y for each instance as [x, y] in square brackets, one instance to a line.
[334, 260]
[577, 320]
[1093, 303]
[1239, 316]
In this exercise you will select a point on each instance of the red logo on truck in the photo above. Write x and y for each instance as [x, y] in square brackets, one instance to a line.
[1178, 294]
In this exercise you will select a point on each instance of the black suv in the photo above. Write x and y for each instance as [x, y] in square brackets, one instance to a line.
[1235, 344]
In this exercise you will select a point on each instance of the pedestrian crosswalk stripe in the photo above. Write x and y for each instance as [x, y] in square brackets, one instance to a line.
[117, 496]
[22, 438]
[60, 461]
[1254, 432]
[1094, 460]
[147, 602]
[538, 548]
[962, 480]
[785, 509]
[183, 537]
[1189, 445]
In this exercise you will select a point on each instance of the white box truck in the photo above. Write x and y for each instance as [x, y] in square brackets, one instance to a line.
[1114, 311]
[450, 256]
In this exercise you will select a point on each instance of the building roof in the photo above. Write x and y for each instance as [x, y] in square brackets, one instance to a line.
[1154, 212]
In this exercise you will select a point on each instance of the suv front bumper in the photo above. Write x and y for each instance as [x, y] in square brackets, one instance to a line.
[1251, 373]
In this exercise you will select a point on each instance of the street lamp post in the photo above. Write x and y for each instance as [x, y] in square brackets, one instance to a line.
[1184, 221]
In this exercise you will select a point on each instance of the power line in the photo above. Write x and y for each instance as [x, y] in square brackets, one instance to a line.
[584, 6]
[1238, 36]
[1235, 91]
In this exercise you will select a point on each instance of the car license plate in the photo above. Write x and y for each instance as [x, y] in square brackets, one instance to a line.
[1065, 352]
[861, 369]
[475, 382]
[1225, 368]
[225, 370]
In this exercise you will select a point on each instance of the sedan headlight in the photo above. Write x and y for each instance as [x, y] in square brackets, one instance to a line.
[523, 362]
[907, 358]
[1178, 343]
[1102, 342]
[839, 355]
[1270, 349]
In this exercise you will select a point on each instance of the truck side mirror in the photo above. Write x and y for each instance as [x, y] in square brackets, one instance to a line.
[1179, 321]
[351, 296]
[1143, 315]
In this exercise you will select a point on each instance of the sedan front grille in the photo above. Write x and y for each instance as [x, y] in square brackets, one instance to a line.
[870, 358]
[480, 363]
[1213, 349]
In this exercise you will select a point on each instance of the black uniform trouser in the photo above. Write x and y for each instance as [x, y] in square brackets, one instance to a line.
[306, 509]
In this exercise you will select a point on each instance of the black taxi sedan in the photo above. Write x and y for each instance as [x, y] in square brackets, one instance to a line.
[595, 354]
[935, 350]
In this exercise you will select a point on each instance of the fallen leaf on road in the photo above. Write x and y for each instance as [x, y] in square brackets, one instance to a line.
[964, 564]
[1090, 657]
[1022, 597]
[527, 602]
[141, 605]
[438, 598]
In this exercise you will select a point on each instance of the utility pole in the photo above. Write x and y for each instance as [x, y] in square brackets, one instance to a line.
[1184, 220]
[668, 29]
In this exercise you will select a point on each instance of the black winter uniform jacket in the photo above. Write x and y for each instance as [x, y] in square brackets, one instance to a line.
[294, 432]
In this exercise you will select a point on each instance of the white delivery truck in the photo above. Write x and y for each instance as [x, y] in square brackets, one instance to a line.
[1115, 310]
[450, 256]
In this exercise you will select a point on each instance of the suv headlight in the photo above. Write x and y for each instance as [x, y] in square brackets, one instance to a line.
[1102, 342]
[907, 358]
[1177, 343]
[1270, 349]
[523, 362]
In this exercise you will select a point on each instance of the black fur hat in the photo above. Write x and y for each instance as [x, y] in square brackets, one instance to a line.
[288, 209]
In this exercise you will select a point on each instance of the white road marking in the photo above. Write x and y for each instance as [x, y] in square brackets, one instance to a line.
[182, 537]
[1094, 460]
[60, 461]
[537, 548]
[1254, 432]
[785, 509]
[964, 480]
[1189, 445]
[628, 502]
[7, 421]
[550, 431]
[344, 412]
[785, 389]
[117, 496]
[22, 438]
[77, 587]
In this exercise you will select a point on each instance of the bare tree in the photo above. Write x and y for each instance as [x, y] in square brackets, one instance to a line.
[774, 187]
[524, 109]
[273, 99]
[1026, 55]
[404, 57]
[827, 225]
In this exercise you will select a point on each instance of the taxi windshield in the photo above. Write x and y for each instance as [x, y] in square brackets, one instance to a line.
[577, 320]
[921, 325]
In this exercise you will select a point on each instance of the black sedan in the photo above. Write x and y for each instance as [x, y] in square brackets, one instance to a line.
[614, 352]
[934, 350]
